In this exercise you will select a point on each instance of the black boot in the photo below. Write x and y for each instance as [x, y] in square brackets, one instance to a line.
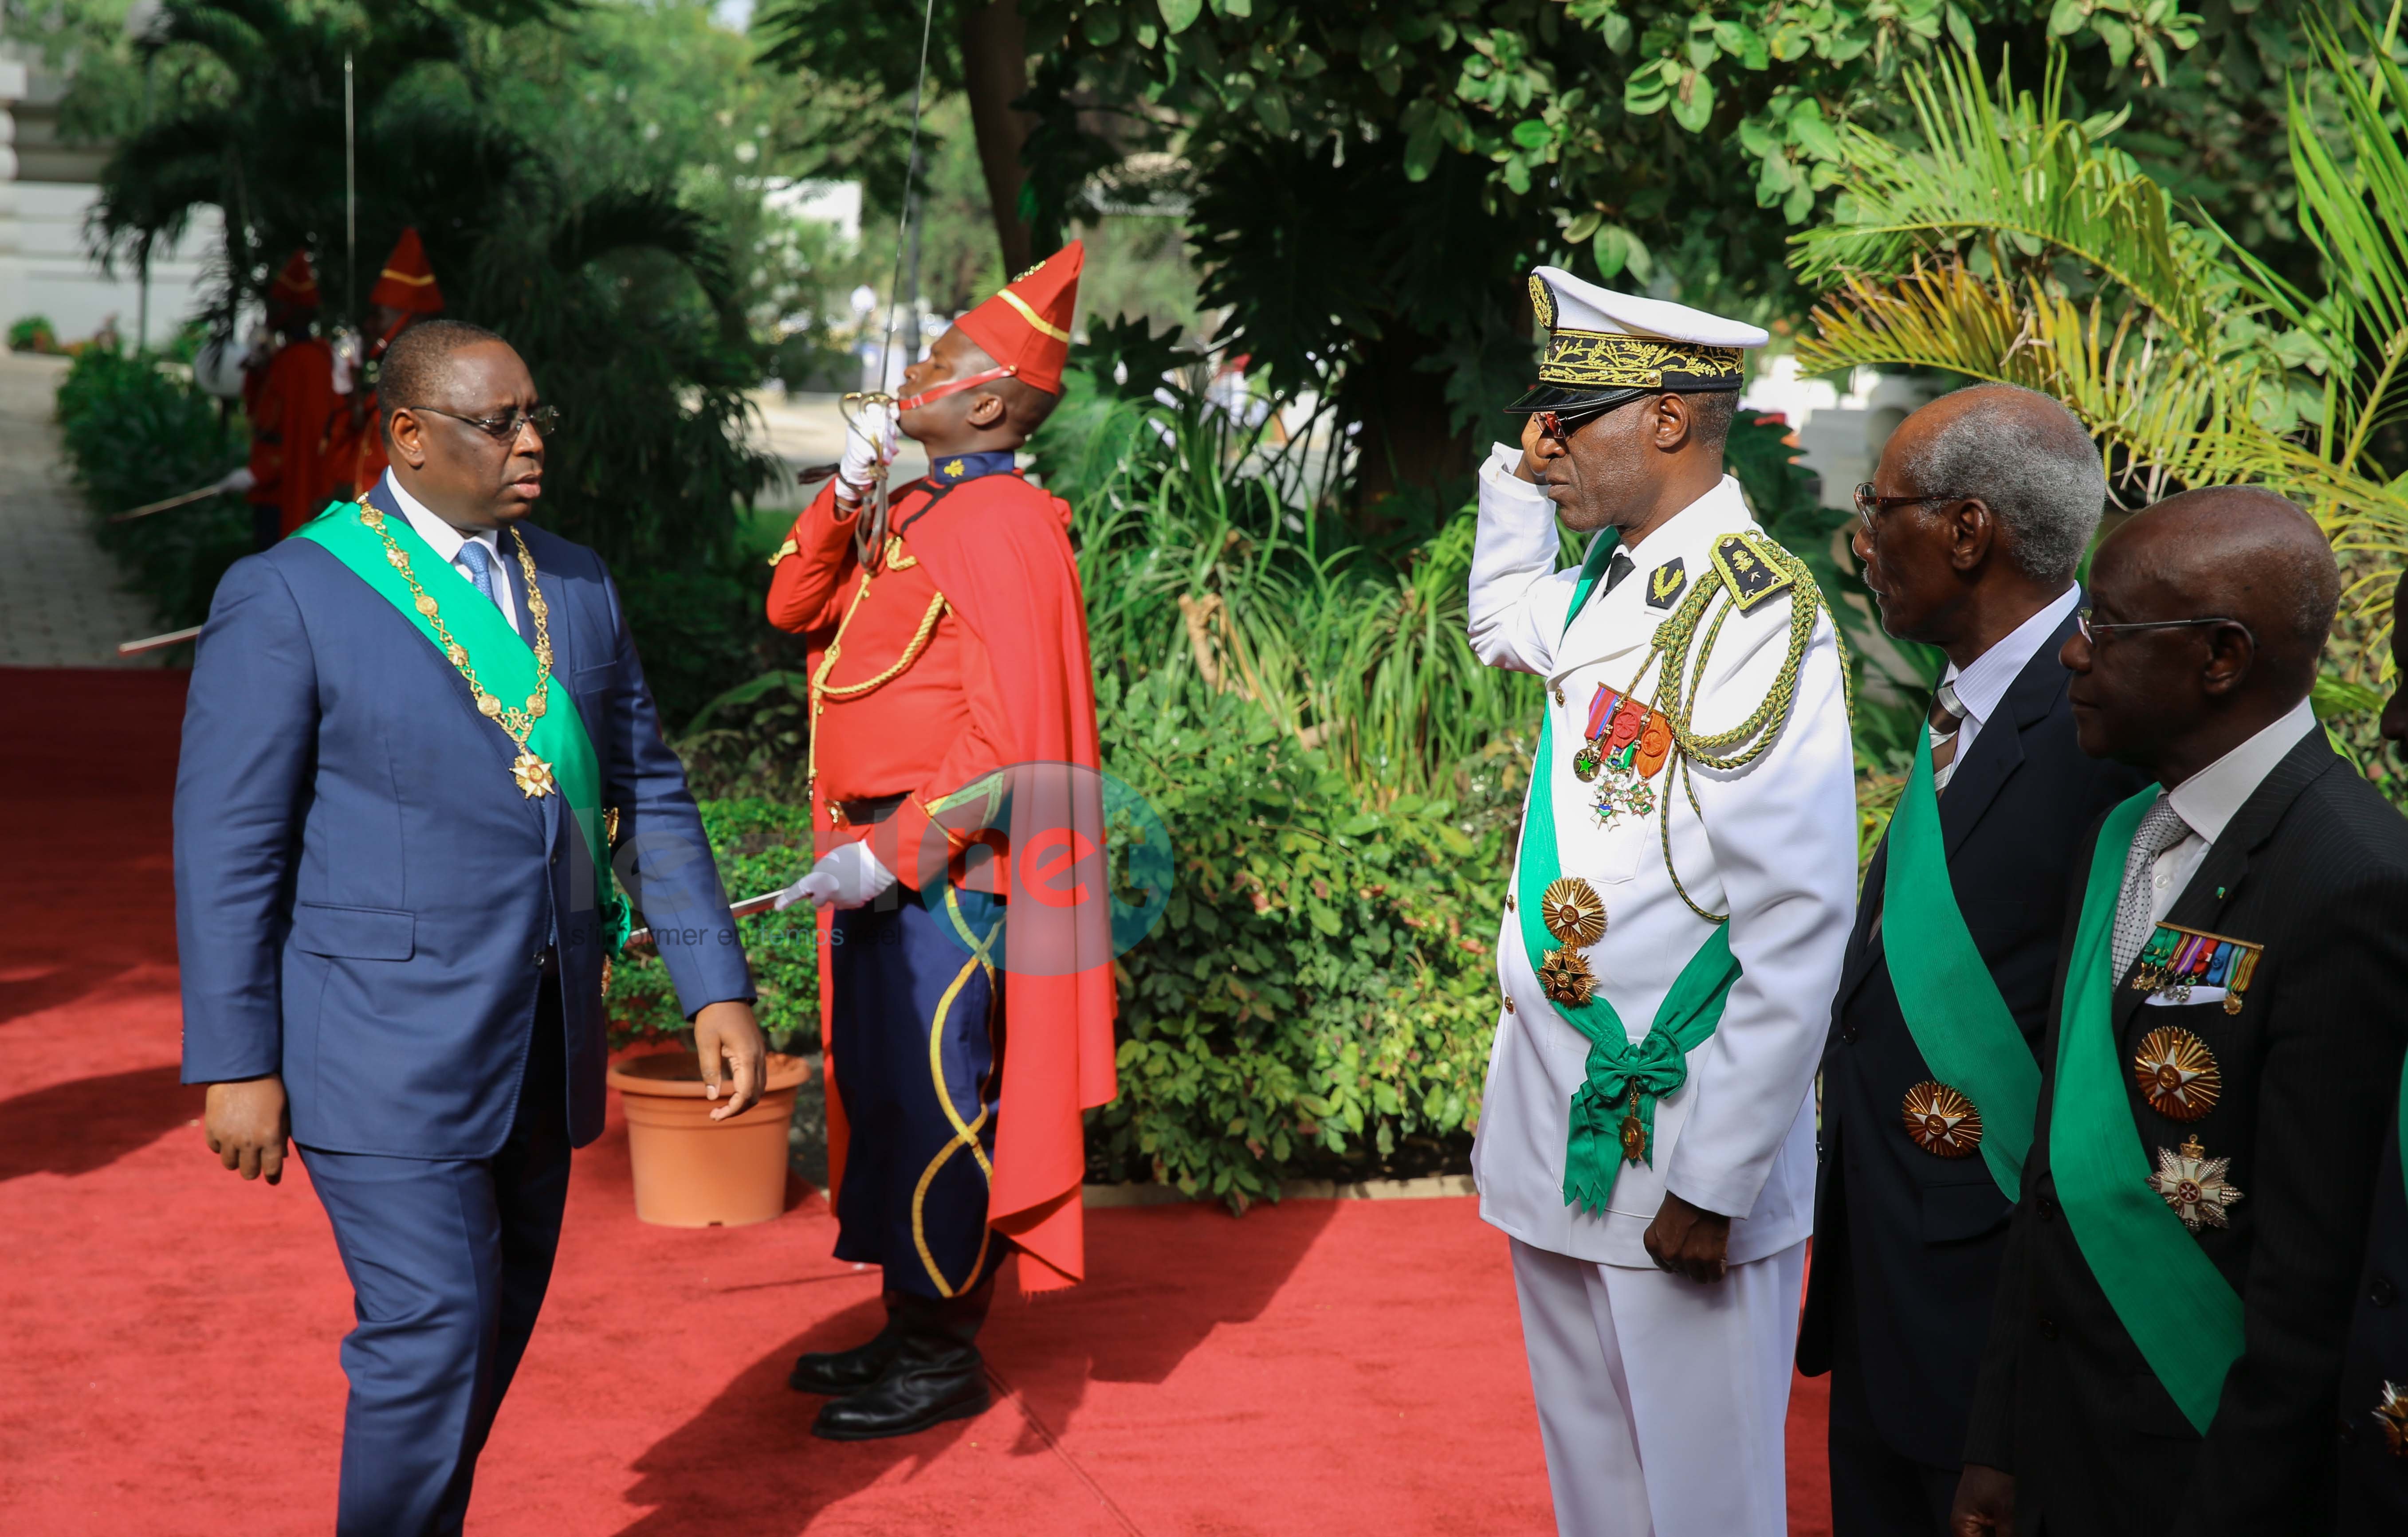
[937, 1373]
[837, 1372]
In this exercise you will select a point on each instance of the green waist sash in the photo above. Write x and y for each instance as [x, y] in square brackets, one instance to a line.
[1965, 1030]
[505, 667]
[2172, 1301]
[1620, 1074]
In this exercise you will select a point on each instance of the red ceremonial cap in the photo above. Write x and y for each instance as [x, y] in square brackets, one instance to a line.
[407, 282]
[1026, 327]
[296, 285]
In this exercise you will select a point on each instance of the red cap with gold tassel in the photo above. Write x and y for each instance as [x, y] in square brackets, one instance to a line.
[297, 284]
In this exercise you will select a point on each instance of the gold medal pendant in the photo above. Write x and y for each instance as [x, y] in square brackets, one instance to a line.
[1575, 915]
[2392, 1414]
[1941, 1121]
[533, 775]
[2194, 1185]
[2178, 1074]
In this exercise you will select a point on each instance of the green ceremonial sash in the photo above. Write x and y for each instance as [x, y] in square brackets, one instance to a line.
[1620, 1075]
[2172, 1301]
[505, 667]
[1965, 1030]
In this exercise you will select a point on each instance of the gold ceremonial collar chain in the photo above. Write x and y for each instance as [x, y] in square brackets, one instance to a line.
[533, 773]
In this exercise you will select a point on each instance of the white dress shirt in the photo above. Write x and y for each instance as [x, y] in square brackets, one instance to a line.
[1981, 686]
[2208, 801]
[447, 541]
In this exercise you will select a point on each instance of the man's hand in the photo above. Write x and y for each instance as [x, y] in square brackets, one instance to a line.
[871, 440]
[1530, 468]
[247, 1122]
[1688, 1240]
[727, 1032]
[847, 876]
[1986, 1503]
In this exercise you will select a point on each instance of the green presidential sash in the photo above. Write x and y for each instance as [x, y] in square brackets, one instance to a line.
[1622, 1080]
[1965, 1030]
[2172, 1301]
[505, 664]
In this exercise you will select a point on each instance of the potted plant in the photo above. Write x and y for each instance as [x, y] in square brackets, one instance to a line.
[691, 1171]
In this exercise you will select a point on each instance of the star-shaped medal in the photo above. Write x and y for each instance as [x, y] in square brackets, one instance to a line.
[2193, 1183]
[2178, 1074]
[1941, 1121]
[533, 775]
[1564, 976]
[2392, 1414]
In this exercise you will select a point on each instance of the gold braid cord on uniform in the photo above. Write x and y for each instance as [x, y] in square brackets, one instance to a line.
[1679, 679]
[822, 690]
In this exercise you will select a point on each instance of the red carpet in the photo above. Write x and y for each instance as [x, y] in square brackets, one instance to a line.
[169, 1332]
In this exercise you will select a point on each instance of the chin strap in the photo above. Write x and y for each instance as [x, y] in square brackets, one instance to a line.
[954, 386]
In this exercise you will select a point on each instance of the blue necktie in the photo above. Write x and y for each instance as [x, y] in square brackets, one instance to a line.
[480, 569]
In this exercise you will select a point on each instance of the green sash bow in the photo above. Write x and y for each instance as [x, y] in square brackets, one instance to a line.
[1620, 1074]
[2173, 1301]
[1965, 1030]
[505, 665]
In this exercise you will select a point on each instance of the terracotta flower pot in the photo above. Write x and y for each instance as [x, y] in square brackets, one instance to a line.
[691, 1171]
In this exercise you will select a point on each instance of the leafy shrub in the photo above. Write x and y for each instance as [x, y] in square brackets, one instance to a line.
[760, 845]
[33, 333]
[137, 433]
[1319, 995]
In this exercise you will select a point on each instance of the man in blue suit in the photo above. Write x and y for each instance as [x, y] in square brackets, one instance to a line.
[403, 726]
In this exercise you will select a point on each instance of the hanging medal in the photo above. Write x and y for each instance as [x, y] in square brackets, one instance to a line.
[1575, 917]
[1626, 743]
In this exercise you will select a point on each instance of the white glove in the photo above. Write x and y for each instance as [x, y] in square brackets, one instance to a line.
[847, 877]
[238, 479]
[871, 440]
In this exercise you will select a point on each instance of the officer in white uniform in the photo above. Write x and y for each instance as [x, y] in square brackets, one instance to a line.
[1689, 847]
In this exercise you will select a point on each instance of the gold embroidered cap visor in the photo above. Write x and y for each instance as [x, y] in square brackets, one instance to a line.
[1606, 348]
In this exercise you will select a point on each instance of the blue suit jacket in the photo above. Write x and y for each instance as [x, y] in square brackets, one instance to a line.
[363, 895]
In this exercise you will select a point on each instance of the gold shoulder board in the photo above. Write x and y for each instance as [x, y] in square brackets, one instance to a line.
[1748, 570]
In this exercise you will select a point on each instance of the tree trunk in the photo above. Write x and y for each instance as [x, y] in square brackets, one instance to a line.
[1407, 442]
[995, 74]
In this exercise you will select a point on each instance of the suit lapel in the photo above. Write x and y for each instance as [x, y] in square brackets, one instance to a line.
[1864, 948]
[1998, 751]
[2218, 880]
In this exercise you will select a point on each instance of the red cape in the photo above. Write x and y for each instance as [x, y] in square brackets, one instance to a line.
[999, 549]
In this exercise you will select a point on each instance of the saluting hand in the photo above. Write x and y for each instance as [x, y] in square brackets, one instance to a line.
[246, 1123]
[734, 1054]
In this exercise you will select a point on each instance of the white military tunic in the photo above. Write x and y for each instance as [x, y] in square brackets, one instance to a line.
[1680, 1441]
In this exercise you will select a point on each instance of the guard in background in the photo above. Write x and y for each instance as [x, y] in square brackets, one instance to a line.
[289, 400]
[405, 293]
[2374, 1373]
[1673, 929]
[948, 657]
[1984, 504]
[2221, 1070]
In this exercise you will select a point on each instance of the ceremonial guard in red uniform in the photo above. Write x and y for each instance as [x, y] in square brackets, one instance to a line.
[405, 291]
[289, 400]
[952, 757]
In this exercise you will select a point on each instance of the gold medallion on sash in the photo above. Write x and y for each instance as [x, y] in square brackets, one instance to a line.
[1575, 915]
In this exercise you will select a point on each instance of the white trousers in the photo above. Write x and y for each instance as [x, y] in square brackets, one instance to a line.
[1662, 1401]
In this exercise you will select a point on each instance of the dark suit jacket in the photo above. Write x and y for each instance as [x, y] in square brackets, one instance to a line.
[1907, 1245]
[364, 897]
[2373, 1476]
[2315, 868]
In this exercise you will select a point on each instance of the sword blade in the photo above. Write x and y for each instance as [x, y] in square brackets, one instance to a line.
[750, 905]
[152, 643]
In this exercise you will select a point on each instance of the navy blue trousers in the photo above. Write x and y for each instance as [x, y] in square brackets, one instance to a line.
[449, 1260]
[915, 1044]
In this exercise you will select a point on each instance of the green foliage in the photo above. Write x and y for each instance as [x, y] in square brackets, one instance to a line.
[33, 333]
[136, 432]
[760, 845]
[1310, 1001]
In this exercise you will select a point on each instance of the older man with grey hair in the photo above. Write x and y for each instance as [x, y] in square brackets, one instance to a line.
[1970, 531]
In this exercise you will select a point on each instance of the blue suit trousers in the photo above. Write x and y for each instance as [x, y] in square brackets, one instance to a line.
[449, 1260]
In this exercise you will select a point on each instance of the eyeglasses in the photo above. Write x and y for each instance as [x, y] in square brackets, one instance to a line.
[1870, 502]
[506, 427]
[2091, 632]
[1560, 428]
